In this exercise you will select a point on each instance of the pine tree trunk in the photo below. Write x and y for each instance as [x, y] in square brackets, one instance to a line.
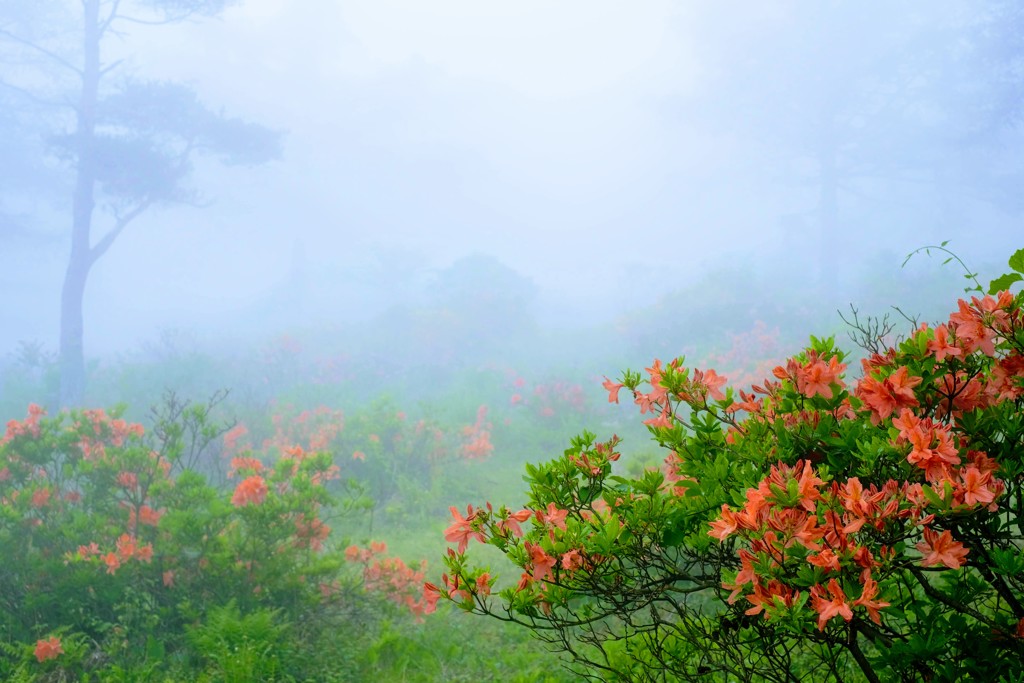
[72, 328]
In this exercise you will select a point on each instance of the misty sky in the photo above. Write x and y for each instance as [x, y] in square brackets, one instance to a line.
[609, 151]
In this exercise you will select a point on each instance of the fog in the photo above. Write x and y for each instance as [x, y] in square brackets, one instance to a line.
[634, 163]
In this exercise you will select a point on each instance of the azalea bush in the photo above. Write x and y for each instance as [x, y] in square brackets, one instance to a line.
[117, 547]
[393, 466]
[815, 526]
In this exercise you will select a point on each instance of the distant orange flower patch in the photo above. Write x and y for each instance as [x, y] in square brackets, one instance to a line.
[243, 464]
[128, 480]
[149, 516]
[251, 491]
[49, 648]
[40, 497]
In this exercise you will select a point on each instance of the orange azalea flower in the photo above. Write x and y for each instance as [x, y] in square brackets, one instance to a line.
[553, 516]
[149, 516]
[942, 549]
[663, 418]
[961, 393]
[727, 523]
[251, 491]
[232, 437]
[884, 397]
[572, 560]
[128, 480]
[976, 486]
[144, 553]
[940, 346]
[817, 377]
[612, 388]
[431, 594]
[828, 608]
[310, 533]
[48, 649]
[295, 452]
[712, 381]
[168, 578]
[867, 601]
[796, 526]
[969, 326]
[838, 528]
[933, 460]
[248, 464]
[826, 559]
[770, 596]
[455, 591]
[743, 577]
[40, 497]
[512, 523]
[85, 552]
[125, 547]
[541, 561]
[461, 530]
[332, 472]
[907, 423]
[112, 561]
[809, 486]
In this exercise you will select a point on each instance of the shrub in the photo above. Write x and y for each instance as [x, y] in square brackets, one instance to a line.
[813, 527]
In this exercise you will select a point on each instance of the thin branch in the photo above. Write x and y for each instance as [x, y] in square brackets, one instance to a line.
[42, 50]
[871, 333]
[105, 24]
[968, 274]
[101, 247]
[35, 98]
[858, 656]
[110, 67]
[157, 22]
[938, 596]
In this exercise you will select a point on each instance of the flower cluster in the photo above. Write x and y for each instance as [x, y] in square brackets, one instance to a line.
[809, 503]
[126, 548]
[391, 577]
[476, 438]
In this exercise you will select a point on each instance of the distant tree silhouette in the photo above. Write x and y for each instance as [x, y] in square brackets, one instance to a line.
[129, 143]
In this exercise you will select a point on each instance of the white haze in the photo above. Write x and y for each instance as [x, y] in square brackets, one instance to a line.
[611, 152]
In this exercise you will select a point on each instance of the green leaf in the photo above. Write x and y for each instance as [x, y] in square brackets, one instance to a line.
[692, 487]
[1017, 261]
[1003, 282]
[932, 497]
[155, 650]
[606, 539]
[673, 535]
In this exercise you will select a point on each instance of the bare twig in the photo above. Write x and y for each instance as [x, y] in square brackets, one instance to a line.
[42, 50]
[121, 222]
[869, 334]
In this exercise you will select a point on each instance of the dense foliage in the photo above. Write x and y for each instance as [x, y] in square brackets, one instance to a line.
[196, 549]
[812, 528]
